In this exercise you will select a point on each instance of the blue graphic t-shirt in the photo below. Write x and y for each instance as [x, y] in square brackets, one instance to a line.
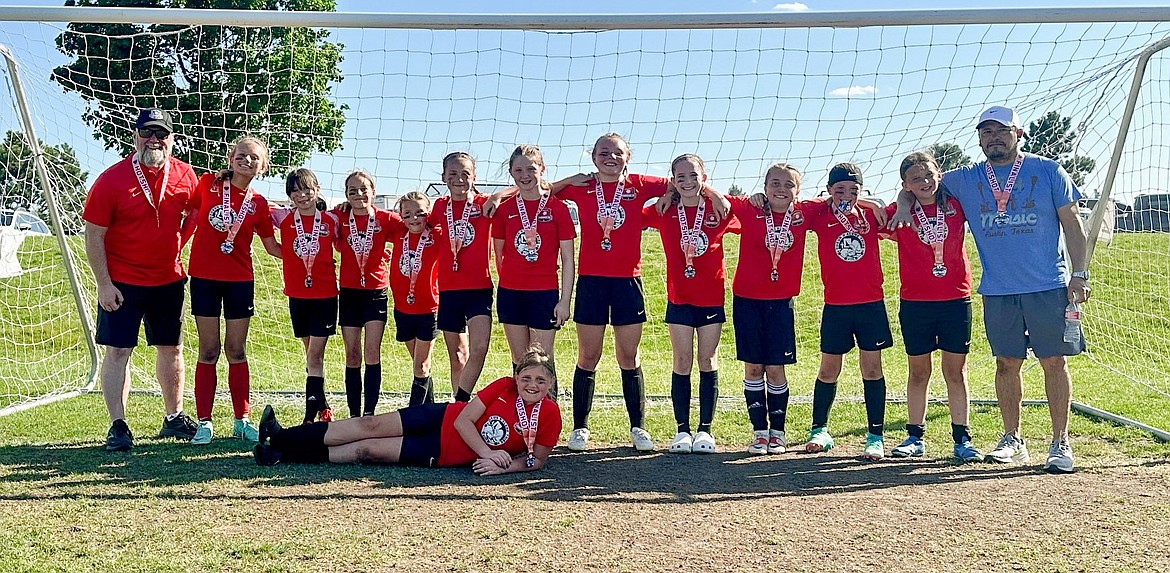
[1026, 254]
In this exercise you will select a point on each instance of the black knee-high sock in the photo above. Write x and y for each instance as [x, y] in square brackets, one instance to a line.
[680, 397]
[823, 396]
[419, 390]
[583, 384]
[304, 443]
[960, 433]
[373, 388]
[430, 397]
[634, 394]
[353, 390]
[916, 430]
[314, 396]
[708, 397]
[757, 404]
[777, 406]
[875, 405]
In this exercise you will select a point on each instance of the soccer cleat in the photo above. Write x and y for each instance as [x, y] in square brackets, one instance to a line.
[181, 427]
[268, 425]
[819, 440]
[1009, 449]
[911, 447]
[641, 439]
[681, 444]
[966, 452]
[203, 433]
[119, 438]
[578, 440]
[777, 442]
[875, 448]
[1060, 457]
[759, 445]
[266, 455]
[704, 443]
[244, 429]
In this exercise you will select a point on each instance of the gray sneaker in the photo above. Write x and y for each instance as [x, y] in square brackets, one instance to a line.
[1009, 449]
[1060, 457]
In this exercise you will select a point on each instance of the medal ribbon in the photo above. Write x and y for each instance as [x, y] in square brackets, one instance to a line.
[415, 259]
[774, 241]
[690, 237]
[237, 218]
[528, 426]
[311, 247]
[456, 233]
[932, 233]
[608, 212]
[862, 226]
[1001, 197]
[530, 226]
[142, 184]
[361, 247]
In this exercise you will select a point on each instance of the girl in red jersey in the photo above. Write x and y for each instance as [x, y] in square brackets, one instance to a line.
[510, 426]
[855, 309]
[935, 310]
[414, 282]
[692, 239]
[461, 230]
[229, 212]
[767, 279]
[307, 234]
[364, 231]
[533, 235]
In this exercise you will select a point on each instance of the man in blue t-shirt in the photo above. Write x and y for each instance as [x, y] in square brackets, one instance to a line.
[1022, 210]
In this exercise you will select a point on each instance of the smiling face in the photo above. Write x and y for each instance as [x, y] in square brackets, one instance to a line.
[304, 197]
[999, 142]
[611, 154]
[533, 383]
[844, 192]
[414, 214]
[154, 145]
[526, 173]
[688, 176]
[359, 192]
[781, 186]
[249, 159]
[922, 179]
[459, 175]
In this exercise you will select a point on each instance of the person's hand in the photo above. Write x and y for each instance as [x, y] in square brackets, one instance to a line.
[486, 467]
[109, 297]
[223, 175]
[664, 202]
[581, 179]
[759, 200]
[490, 206]
[718, 203]
[1078, 290]
[879, 213]
[902, 218]
[561, 312]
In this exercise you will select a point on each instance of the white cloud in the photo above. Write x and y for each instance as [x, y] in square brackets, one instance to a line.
[791, 7]
[854, 91]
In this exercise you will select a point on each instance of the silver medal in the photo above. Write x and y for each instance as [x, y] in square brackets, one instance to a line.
[939, 271]
[226, 248]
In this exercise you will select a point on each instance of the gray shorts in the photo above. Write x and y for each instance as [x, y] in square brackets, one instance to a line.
[1017, 321]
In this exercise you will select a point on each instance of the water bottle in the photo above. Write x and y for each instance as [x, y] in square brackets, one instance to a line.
[1072, 323]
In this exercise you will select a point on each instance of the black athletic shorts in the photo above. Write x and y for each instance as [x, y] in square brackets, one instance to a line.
[237, 299]
[313, 316]
[358, 306]
[765, 331]
[456, 307]
[935, 325]
[409, 327]
[422, 431]
[866, 323]
[531, 308]
[609, 300]
[158, 308]
[694, 316]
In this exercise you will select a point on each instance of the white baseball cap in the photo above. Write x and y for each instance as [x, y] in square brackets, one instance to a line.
[1002, 115]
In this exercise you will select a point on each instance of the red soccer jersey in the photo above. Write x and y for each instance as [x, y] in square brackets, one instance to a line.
[851, 266]
[916, 257]
[294, 254]
[624, 259]
[208, 260]
[521, 268]
[386, 225]
[142, 244]
[706, 287]
[473, 270]
[426, 285]
[499, 425]
[753, 272]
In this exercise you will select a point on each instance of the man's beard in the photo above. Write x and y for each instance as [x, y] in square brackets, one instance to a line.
[151, 157]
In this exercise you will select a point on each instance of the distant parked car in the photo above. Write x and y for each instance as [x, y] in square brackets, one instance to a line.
[22, 220]
[1151, 213]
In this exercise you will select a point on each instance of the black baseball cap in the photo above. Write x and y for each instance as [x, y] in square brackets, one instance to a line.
[844, 172]
[154, 117]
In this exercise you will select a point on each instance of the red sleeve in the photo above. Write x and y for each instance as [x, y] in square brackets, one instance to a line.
[565, 229]
[394, 225]
[493, 391]
[203, 186]
[263, 221]
[99, 209]
[501, 217]
[650, 217]
[650, 186]
[549, 429]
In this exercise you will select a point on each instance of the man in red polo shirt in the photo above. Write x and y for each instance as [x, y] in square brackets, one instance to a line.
[133, 216]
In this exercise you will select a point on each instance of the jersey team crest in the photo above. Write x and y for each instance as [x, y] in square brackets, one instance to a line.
[361, 242]
[940, 228]
[220, 218]
[619, 217]
[701, 244]
[530, 254]
[779, 238]
[409, 260]
[306, 246]
[466, 231]
[494, 431]
[850, 247]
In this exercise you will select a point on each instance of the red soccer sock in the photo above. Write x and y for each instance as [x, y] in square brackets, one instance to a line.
[205, 383]
[239, 382]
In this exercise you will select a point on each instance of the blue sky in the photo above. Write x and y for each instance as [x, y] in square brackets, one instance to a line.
[740, 98]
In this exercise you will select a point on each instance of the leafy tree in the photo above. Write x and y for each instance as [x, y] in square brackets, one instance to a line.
[20, 188]
[949, 155]
[1053, 136]
[734, 190]
[217, 82]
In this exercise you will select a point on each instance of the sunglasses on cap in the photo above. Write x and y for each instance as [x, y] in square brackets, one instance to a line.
[157, 132]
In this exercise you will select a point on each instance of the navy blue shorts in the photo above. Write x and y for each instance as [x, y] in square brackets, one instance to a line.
[694, 316]
[456, 307]
[422, 431]
[158, 308]
[409, 327]
[358, 306]
[313, 316]
[237, 299]
[866, 323]
[609, 300]
[531, 308]
[765, 331]
[929, 325]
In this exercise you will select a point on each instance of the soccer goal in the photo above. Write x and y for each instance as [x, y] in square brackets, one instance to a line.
[392, 94]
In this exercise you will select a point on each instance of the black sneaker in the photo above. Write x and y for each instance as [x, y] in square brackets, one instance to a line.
[181, 427]
[119, 438]
[268, 425]
[266, 455]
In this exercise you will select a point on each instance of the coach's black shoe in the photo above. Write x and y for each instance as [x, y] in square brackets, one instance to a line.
[266, 455]
[119, 438]
[181, 427]
[268, 425]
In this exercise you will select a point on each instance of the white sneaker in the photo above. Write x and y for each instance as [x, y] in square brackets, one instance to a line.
[1009, 449]
[759, 445]
[1060, 457]
[704, 443]
[578, 439]
[202, 433]
[777, 442]
[641, 439]
[681, 444]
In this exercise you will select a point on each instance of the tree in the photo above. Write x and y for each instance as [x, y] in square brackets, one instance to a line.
[734, 190]
[20, 188]
[1053, 136]
[217, 82]
[949, 155]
